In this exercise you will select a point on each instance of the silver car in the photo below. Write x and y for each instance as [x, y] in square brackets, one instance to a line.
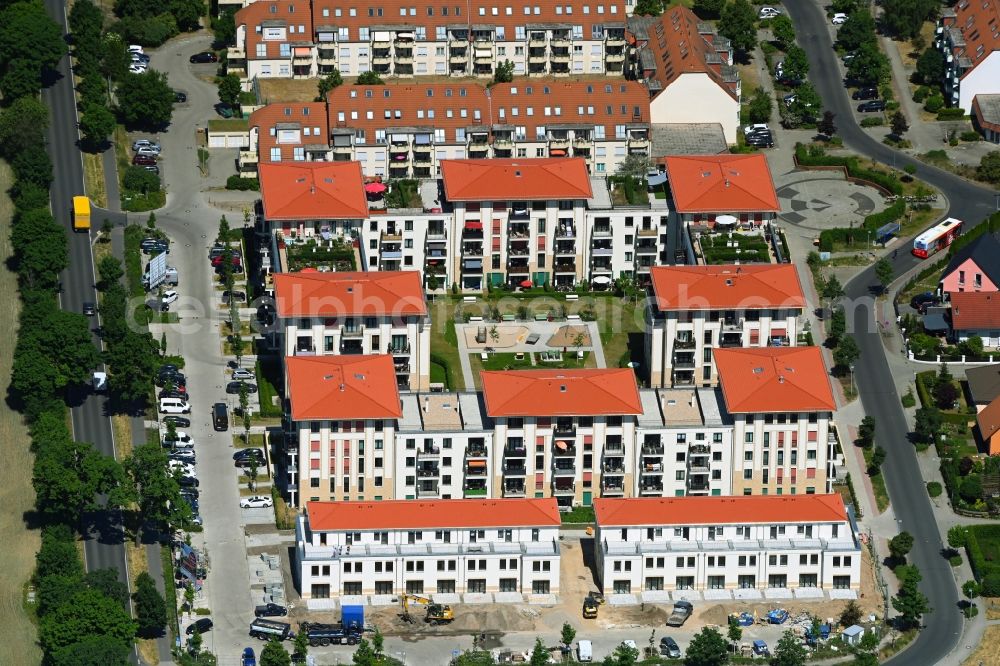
[152, 151]
[243, 374]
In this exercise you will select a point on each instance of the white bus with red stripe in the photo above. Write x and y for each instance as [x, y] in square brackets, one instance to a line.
[937, 238]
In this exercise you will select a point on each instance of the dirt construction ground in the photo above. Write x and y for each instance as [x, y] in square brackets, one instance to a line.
[16, 493]
[576, 581]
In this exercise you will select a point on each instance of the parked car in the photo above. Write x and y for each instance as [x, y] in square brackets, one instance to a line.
[169, 296]
[872, 105]
[256, 502]
[184, 456]
[152, 167]
[148, 150]
[187, 482]
[865, 93]
[139, 143]
[839, 18]
[848, 58]
[173, 393]
[921, 302]
[180, 97]
[789, 99]
[248, 453]
[150, 245]
[248, 658]
[238, 296]
[243, 374]
[759, 127]
[143, 160]
[768, 12]
[137, 68]
[182, 467]
[220, 417]
[233, 388]
[134, 48]
[178, 421]
[760, 140]
[669, 648]
[270, 610]
[202, 624]
[204, 57]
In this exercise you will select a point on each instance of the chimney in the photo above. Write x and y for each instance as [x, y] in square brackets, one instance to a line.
[342, 388]
[727, 182]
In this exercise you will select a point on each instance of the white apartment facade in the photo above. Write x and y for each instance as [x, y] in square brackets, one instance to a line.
[502, 550]
[690, 545]
[968, 35]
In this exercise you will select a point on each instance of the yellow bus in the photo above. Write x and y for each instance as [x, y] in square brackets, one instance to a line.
[81, 214]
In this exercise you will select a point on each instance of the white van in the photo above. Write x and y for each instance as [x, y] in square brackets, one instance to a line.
[585, 650]
[174, 406]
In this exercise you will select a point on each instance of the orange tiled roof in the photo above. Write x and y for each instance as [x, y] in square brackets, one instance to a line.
[678, 47]
[357, 294]
[589, 392]
[721, 184]
[335, 388]
[975, 310]
[753, 286]
[313, 191]
[459, 15]
[290, 14]
[500, 179]
[979, 21]
[433, 514]
[309, 116]
[988, 421]
[748, 509]
[774, 379]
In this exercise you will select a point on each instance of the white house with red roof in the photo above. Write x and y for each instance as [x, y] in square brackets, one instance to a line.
[482, 551]
[749, 548]
[782, 407]
[695, 309]
[968, 34]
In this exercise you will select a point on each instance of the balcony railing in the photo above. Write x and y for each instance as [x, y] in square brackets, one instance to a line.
[515, 470]
[352, 332]
[563, 489]
[684, 343]
[428, 450]
[424, 472]
[515, 451]
[564, 430]
[652, 449]
[564, 470]
[609, 488]
[397, 349]
[476, 451]
[513, 491]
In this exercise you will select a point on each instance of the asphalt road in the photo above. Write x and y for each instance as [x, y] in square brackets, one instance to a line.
[910, 502]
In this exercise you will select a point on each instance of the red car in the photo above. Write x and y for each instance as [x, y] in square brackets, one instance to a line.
[218, 260]
[144, 160]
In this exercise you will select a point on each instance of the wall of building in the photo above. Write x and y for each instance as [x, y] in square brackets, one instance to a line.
[697, 98]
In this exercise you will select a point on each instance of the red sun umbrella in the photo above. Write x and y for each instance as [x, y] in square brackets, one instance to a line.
[375, 188]
[526, 283]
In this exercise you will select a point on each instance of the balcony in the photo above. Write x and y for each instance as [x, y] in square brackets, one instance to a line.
[326, 56]
[648, 467]
[652, 449]
[612, 487]
[515, 469]
[565, 267]
[699, 449]
[235, 53]
[638, 142]
[458, 56]
[392, 236]
[476, 449]
[614, 448]
[683, 361]
[732, 324]
[475, 468]
[479, 148]
[616, 56]
[428, 451]
[428, 471]
[381, 59]
[513, 489]
[647, 231]
[458, 41]
[614, 467]
[428, 489]
[698, 488]
[537, 40]
[615, 40]
[567, 468]
[559, 142]
[564, 429]
[698, 466]
[248, 157]
[515, 451]
[560, 42]
[651, 489]
[684, 343]
[558, 56]
[473, 489]
[563, 488]
[646, 247]
[537, 58]
[583, 142]
[404, 57]
[354, 332]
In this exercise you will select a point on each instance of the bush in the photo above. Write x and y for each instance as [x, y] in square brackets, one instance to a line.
[934, 104]
[816, 156]
[991, 585]
[920, 94]
[235, 182]
[970, 135]
[139, 180]
[934, 489]
[951, 114]
[872, 121]
[147, 31]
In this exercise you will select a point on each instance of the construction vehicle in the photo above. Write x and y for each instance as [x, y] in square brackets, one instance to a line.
[436, 613]
[590, 606]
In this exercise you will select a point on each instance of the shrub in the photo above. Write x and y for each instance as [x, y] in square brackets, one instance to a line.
[991, 585]
[816, 156]
[951, 114]
[920, 94]
[872, 121]
[235, 182]
[138, 179]
[934, 104]
[934, 489]
[970, 135]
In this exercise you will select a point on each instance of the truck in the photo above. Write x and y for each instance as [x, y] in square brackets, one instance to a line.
[81, 214]
[267, 629]
[169, 277]
[327, 634]
[681, 612]
[352, 617]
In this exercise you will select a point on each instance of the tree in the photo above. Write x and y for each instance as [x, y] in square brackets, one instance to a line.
[150, 608]
[858, 29]
[971, 589]
[796, 63]
[900, 546]
[93, 651]
[364, 655]
[909, 602]
[945, 394]
[904, 18]
[67, 477]
[833, 291]
[32, 165]
[504, 72]
[568, 634]
[884, 272]
[807, 102]
[846, 353]
[957, 536]
[930, 66]
[22, 125]
[624, 655]
[106, 582]
[783, 30]
[866, 431]
[229, 90]
[634, 166]
[132, 361]
[760, 106]
[898, 124]
[187, 13]
[328, 83]
[86, 23]
[838, 325]
[851, 614]
[109, 270]
[707, 648]
[878, 458]
[274, 654]
[989, 167]
[115, 57]
[88, 614]
[154, 489]
[30, 44]
[866, 652]
[648, 8]
[146, 100]
[539, 655]
[96, 123]
[789, 651]
[826, 126]
[245, 410]
[40, 247]
[869, 65]
[971, 489]
[302, 644]
[378, 641]
[738, 23]
[708, 9]
[370, 78]
[927, 423]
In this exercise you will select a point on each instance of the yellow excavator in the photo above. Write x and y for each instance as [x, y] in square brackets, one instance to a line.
[436, 613]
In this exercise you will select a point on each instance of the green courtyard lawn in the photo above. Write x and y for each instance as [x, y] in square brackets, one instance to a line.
[530, 361]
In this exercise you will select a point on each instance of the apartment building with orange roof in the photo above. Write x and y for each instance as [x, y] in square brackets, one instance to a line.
[968, 34]
[688, 69]
[285, 132]
[704, 188]
[494, 550]
[782, 408]
[806, 546]
[403, 40]
[357, 313]
[273, 39]
[696, 309]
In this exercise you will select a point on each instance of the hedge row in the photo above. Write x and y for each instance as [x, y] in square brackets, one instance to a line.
[990, 225]
[817, 157]
[981, 566]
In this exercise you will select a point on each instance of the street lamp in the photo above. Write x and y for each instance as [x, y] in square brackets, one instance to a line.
[854, 390]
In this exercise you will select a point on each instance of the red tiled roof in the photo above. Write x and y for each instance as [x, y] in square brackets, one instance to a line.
[313, 191]
[742, 510]
[288, 14]
[357, 294]
[499, 179]
[979, 21]
[460, 15]
[975, 310]
[434, 514]
[589, 392]
[774, 379]
[678, 47]
[309, 116]
[721, 184]
[348, 387]
[988, 421]
[753, 286]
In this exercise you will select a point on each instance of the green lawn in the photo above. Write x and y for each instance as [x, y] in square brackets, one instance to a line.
[446, 367]
[878, 484]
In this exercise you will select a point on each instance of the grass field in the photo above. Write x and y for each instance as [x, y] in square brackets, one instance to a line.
[93, 180]
[16, 493]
